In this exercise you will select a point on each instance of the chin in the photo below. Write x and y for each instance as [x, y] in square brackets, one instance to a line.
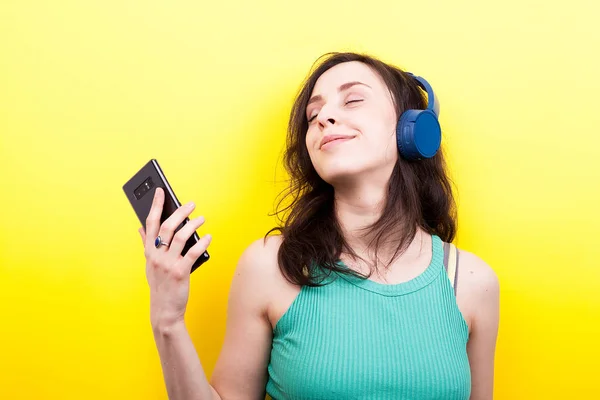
[339, 169]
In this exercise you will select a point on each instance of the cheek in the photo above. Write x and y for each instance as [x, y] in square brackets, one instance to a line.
[309, 139]
[387, 128]
[310, 143]
[379, 132]
[377, 120]
[380, 143]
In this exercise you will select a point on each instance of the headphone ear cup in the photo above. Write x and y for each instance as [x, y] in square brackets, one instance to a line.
[418, 134]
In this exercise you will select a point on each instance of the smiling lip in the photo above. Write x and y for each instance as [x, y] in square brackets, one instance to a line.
[331, 138]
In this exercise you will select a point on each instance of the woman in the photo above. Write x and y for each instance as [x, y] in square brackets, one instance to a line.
[351, 299]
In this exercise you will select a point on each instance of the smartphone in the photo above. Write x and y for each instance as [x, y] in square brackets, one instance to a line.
[140, 192]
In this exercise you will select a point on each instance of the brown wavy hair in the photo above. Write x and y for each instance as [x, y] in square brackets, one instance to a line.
[419, 192]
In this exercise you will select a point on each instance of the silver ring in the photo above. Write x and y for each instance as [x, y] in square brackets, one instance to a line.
[158, 242]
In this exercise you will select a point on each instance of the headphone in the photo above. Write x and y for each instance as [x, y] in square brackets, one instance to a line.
[418, 132]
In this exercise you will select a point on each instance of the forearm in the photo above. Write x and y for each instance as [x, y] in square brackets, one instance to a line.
[183, 373]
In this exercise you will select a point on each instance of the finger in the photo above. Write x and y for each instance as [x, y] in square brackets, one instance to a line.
[182, 236]
[194, 252]
[167, 229]
[142, 234]
[153, 219]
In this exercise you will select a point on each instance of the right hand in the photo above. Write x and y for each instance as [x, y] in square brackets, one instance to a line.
[167, 272]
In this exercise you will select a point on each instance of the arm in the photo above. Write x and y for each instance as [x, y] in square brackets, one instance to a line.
[480, 294]
[183, 373]
[241, 370]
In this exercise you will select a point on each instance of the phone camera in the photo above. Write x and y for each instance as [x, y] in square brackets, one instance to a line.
[144, 188]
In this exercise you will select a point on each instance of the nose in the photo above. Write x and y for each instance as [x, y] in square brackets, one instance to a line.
[326, 118]
[328, 121]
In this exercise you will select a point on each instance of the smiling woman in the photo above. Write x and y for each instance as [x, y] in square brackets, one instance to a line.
[374, 206]
[352, 298]
[361, 99]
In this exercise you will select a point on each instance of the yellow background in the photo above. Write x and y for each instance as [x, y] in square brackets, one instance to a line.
[91, 90]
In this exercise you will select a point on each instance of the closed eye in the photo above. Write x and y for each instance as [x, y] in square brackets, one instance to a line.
[348, 102]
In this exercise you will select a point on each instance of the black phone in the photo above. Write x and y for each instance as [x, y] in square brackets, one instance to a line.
[140, 192]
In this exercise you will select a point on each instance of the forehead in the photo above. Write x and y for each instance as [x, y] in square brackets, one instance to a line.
[345, 72]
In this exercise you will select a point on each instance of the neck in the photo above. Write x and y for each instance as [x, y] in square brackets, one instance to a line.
[358, 206]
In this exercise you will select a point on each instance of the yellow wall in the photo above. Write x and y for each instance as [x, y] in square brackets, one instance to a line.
[90, 90]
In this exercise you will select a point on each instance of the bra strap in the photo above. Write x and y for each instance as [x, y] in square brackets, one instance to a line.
[451, 263]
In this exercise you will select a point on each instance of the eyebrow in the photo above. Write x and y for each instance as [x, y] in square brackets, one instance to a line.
[343, 87]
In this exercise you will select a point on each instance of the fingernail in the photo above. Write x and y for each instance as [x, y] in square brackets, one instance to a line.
[190, 204]
[208, 236]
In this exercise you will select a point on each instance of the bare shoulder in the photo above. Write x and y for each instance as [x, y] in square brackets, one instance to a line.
[478, 297]
[478, 288]
[261, 252]
[258, 269]
[477, 274]
[258, 265]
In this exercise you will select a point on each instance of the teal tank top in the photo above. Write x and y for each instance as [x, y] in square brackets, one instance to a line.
[359, 339]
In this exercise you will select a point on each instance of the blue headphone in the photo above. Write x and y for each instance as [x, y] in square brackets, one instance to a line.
[418, 132]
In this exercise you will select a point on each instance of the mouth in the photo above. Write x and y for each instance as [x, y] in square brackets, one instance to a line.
[331, 140]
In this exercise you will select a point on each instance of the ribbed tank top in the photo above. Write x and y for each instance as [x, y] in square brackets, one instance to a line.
[358, 339]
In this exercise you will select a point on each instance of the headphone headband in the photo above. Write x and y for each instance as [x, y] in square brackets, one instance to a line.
[432, 100]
